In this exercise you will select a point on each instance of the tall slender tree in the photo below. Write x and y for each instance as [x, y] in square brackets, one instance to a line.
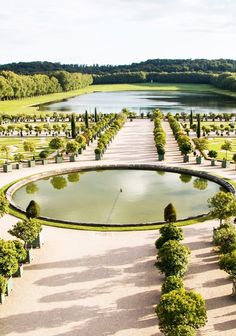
[73, 127]
[86, 119]
[198, 126]
[191, 118]
[95, 115]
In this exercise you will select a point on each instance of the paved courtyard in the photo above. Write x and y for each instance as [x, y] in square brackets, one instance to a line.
[101, 283]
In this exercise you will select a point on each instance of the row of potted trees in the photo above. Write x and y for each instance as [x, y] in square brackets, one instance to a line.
[180, 311]
[159, 135]
[183, 140]
[105, 138]
[14, 253]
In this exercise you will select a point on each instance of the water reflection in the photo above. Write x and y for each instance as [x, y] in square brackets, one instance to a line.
[31, 188]
[58, 182]
[200, 183]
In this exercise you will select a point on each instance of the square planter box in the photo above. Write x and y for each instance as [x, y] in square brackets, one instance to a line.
[29, 256]
[186, 158]
[2, 298]
[44, 162]
[58, 159]
[161, 157]
[31, 163]
[7, 168]
[225, 164]
[9, 286]
[19, 272]
[199, 159]
[37, 243]
[98, 156]
[213, 162]
[72, 158]
[19, 165]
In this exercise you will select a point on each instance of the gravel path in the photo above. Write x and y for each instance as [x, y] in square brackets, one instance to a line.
[93, 283]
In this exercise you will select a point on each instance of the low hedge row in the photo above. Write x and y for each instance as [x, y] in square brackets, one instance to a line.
[159, 133]
[183, 140]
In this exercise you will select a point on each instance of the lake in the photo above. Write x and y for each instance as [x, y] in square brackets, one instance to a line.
[145, 101]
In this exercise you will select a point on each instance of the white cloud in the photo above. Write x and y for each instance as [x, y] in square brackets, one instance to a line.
[116, 31]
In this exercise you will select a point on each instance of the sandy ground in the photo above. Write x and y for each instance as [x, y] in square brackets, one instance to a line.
[92, 283]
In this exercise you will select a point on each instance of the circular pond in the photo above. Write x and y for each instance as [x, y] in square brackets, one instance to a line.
[118, 196]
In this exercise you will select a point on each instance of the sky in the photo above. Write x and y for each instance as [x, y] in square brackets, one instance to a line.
[116, 31]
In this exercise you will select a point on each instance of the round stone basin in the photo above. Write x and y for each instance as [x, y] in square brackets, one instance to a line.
[117, 196]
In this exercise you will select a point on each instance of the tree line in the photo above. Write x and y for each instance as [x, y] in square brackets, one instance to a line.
[152, 65]
[14, 86]
[225, 80]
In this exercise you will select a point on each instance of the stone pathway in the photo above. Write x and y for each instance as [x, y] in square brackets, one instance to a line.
[103, 284]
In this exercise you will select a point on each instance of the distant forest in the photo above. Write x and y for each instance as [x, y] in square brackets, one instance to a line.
[26, 79]
[153, 65]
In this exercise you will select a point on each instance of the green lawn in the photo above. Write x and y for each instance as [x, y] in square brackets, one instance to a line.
[25, 105]
[17, 146]
[216, 143]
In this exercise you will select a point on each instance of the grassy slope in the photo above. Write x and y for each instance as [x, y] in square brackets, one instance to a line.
[216, 143]
[25, 105]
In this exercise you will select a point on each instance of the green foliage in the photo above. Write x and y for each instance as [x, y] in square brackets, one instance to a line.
[169, 232]
[198, 126]
[222, 205]
[170, 213]
[180, 330]
[29, 146]
[8, 258]
[201, 144]
[200, 183]
[20, 251]
[181, 308]
[172, 282]
[32, 210]
[173, 258]
[227, 146]
[26, 230]
[86, 120]
[212, 154]
[44, 154]
[72, 147]
[4, 204]
[185, 178]
[3, 284]
[73, 177]
[228, 263]
[225, 238]
[56, 143]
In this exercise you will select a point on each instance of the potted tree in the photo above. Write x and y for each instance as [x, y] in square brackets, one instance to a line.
[227, 146]
[26, 230]
[72, 148]
[213, 155]
[82, 143]
[8, 262]
[21, 256]
[98, 154]
[44, 155]
[7, 167]
[186, 148]
[19, 157]
[201, 144]
[29, 146]
[57, 144]
[33, 211]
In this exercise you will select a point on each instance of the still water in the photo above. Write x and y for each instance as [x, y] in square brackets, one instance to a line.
[145, 101]
[117, 196]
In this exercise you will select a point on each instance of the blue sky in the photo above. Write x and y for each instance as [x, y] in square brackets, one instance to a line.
[116, 31]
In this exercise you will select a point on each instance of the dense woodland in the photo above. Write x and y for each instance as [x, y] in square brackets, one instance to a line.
[39, 78]
[153, 65]
[13, 86]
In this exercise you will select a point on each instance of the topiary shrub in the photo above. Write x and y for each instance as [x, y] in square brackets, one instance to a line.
[26, 230]
[44, 154]
[225, 238]
[8, 258]
[172, 282]
[181, 308]
[32, 210]
[180, 330]
[173, 258]
[20, 251]
[169, 232]
[170, 213]
[4, 204]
